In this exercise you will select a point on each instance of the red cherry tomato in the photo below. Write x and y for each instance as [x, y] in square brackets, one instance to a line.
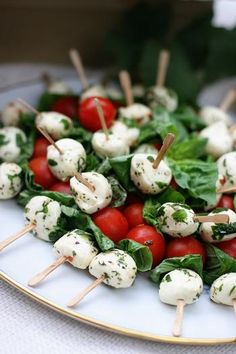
[42, 175]
[173, 184]
[40, 147]
[132, 198]
[134, 214]
[226, 201]
[62, 187]
[66, 105]
[88, 115]
[148, 236]
[158, 145]
[228, 247]
[112, 223]
[179, 247]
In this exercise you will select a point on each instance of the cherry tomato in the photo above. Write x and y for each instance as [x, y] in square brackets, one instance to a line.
[112, 223]
[158, 145]
[42, 175]
[134, 214]
[173, 184]
[179, 247]
[148, 236]
[66, 105]
[62, 187]
[132, 198]
[226, 201]
[88, 115]
[40, 147]
[228, 247]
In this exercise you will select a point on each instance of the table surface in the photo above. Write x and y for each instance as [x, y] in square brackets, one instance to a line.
[29, 327]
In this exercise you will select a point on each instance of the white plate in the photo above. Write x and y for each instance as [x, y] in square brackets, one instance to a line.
[136, 311]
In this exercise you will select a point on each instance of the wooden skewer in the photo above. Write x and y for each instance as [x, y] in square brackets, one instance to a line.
[125, 83]
[14, 237]
[226, 190]
[168, 141]
[234, 305]
[163, 63]
[49, 139]
[228, 100]
[84, 181]
[179, 318]
[42, 275]
[76, 300]
[216, 218]
[77, 62]
[101, 117]
[28, 106]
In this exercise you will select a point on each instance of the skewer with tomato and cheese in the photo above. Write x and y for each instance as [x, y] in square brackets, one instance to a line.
[12, 140]
[10, 180]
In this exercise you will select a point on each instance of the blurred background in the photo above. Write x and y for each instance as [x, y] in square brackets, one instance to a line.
[126, 34]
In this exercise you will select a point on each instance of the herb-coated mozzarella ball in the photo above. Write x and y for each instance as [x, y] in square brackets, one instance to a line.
[11, 141]
[227, 169]
[57, 125]
[11, 114]
[117, 267]
[45, 213]
[78, 245]
[94, 91]
[91, 201]
[211, 115]
[71, 161]
[136, 112]
[10, 180]
[177, 219]
[122, 131]
[180, 284]
[211, 232]
[146, 149]
[58, 87]
[223, 289]
[162, 97]
[146, 178]
[219, 140]
[110, 146]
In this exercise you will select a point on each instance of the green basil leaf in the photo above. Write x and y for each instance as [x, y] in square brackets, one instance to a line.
[92, 162]
[119, 194]
[187, 116]
[151, 206]
[191, 148]
[46, 101]
[121, 167]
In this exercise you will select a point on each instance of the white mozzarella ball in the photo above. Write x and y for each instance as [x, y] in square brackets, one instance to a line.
[146, 178]
[71, 161]
[163, 97]
[233, 134]
[58, 87]
[226, 165]
[94, 91]
[138, 90]
[11, 114]
[219, 140]
[122, 131]
[91, 201]
[146, 149]
[78, 245]
[114, 93]
[211, 115]
[117, 267]
[10, 180]
[110, 146]
[180, 284]
[177, 219]
[45, 213]
[11, 141]
[210, 231]
[223, 289]
[137, 112]
[57, 125]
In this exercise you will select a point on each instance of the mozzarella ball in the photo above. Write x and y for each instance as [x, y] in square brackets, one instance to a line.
[138, 90]
[114, 93]
[227, 169]
[162, 97]
[117, 266]
[11, 114]
[122, 131]
[146, 149]
[210, 231]
[88, 201]
[94, 91]
[10, 180]
[78, 245]
[11, 141]
[146, 178]
[137, 112]
[177, 219]
[233, 134]
[71, 161]
[45, 213]
[58, 87]
[211, 115]
[223, 289]
[219, 140]
[57, 125]
[180, 284]
[110, 146]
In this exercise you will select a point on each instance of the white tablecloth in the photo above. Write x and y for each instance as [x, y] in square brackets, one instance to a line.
[28, 327]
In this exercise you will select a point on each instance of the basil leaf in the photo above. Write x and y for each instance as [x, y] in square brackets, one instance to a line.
[187, 116]
[81, 135]
[3, 140]
[92, 162]
[27, 122]
[119, 194]
[191, 148]
[222, 230]
[25, 195]
[121, 167]
[59, 230]
[46, 101]
[140, 253]
[104, 167]
[170, 195]
[151, 206]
